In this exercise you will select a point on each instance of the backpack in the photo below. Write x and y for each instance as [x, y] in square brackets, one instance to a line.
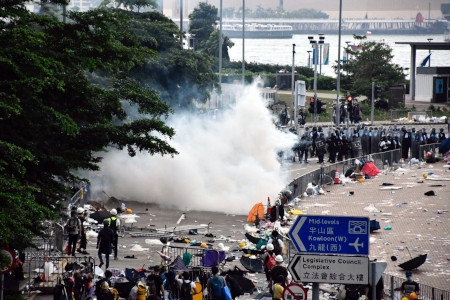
[185, 291]
[276, 246]
[151, 285]
[271, 262]
[72, 225]
[112, 224]
[216, 288]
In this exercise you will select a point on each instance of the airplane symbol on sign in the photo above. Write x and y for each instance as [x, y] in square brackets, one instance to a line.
[356, 244]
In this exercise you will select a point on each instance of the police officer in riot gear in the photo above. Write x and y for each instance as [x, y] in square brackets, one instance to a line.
[320, 147]
[406, 142]
[332, 142]
[441, 135]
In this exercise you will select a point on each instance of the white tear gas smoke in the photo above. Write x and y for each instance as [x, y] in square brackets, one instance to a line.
[226, 164]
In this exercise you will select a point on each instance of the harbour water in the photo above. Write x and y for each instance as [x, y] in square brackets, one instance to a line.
[279, 51]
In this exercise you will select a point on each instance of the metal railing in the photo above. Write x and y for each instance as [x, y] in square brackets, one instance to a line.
[45, 272]
[423, 149]
[325, 175]
[393, 283]
[196, 254]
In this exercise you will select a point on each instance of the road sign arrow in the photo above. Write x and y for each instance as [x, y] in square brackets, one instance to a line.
[292, 267]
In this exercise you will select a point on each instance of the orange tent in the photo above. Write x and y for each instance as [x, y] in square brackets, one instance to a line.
[257, 210]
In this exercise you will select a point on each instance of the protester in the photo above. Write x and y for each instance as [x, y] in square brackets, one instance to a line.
[269, 260]
[114, 225]
[73, 226]
[278, 288]
[355, 291]
[187, 287]
[82, 215]
[215, 285]
[409, 286]
[104, 243]
[278, 270]
[276, 242]
[155, 284]
[98, 284]
[105, 293]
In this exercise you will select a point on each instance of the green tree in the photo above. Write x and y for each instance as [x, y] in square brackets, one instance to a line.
[179, 75]
[64, 90]
[203, 21]
[371, 62]
[131, 4]
[212, 45]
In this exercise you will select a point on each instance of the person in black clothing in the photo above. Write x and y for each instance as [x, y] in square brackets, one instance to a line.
[320, 147]
[114, 225]
[441, 135]
[278, 270]
[98, 284]
[155, 284]
[303, 148]
[332, 148]
[344, 147]
[82, 215]
[409, 285]
[105, 293]
[406, 143]
[314, 136]
[105, 239]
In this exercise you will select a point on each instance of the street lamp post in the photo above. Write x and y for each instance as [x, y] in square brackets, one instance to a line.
[293, 86]
[321, 42]
[309, 58]
[315, 61]
[429, 53]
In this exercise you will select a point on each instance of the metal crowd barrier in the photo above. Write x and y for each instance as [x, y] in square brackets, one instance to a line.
[423, 149]
[45, 272]
[50, 244]
[196, 254]
[326, 173]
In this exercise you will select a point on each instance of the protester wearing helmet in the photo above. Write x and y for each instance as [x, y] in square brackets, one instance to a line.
[278, 270]
[269, 260]
[82, 216]
[114, 225]
[105, 239]
[409, 287]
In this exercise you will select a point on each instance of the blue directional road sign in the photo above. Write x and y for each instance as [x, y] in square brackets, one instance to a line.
[337, 235]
